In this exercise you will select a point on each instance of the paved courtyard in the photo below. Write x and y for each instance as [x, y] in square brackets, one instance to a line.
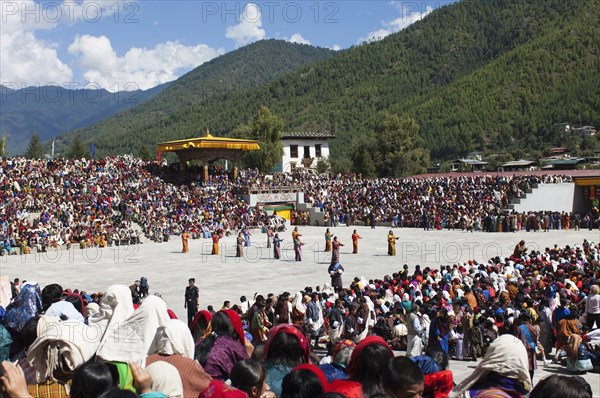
[225, 277]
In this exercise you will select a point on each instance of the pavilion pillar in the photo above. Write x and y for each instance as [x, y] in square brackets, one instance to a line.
[235, 170]
[205, 172]
[181, 166]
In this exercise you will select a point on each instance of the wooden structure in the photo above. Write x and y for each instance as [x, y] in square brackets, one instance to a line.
[207, 149]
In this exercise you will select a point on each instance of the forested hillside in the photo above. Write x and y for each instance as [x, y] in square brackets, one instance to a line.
[234, 72]
[475, 75]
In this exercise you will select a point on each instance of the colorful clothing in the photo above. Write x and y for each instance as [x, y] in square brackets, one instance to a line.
[26, 306]
[184, 241]
[225, 353]
[193, 376]
[391, 245]
[355, 238]
[215, 245]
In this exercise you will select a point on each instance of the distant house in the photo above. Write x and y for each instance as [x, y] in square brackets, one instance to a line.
[559, 150]
[462, 165]
[518, 165]
[586, 131]
[562, 127]
[304, 149]
[433, 168]
[594, 160]
[563, 163]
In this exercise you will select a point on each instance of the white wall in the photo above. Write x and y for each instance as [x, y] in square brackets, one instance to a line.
[554, 197]
[285, 162]
[253, 199]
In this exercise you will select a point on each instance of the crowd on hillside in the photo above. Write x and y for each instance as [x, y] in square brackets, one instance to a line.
[95, 202]
[98, 202]
[469, 203]
[506, 313]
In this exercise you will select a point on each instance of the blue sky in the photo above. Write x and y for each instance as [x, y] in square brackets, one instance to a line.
[126, 44]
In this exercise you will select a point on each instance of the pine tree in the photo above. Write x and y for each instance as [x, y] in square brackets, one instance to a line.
[35, 150]
[144, 153]
[77, 149]
[400, 147]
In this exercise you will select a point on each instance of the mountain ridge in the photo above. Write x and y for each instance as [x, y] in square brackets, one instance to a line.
[236, 71]
[51, 110]
[405, 73]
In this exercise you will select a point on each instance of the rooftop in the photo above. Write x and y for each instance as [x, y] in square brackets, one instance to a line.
[565, 161]
[473, 162]
[307, 134]
[208, 141]
[517, 163]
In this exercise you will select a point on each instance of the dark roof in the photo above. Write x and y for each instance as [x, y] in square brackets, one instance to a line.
[472, 162]
[306, 134]
[539, 173]
[568, 161]
[518, 163]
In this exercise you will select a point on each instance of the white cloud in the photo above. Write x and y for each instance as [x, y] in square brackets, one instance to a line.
[249, 29]
[407, 18]
[27, 61]
[26, 15]
[140, 67]
[336, 47]
[30, 15]
[297, 38]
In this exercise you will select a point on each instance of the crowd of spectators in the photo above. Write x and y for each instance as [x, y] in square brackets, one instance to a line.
[118, 200]
[98, 202]
[475, 203]
[505, 313]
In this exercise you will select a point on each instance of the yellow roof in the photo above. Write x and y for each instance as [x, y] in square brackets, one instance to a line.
[208, 142]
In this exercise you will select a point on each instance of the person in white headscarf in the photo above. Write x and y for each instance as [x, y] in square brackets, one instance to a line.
[298, 309]
[173, 343]
[61, 346]
[91, 310]
[5, 291]
[173, 338]
[505, 366]
[130, 341]
[116, 306]
[165, 379]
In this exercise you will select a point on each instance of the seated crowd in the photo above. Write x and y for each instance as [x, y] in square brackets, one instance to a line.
[98, 202]
[506, 311]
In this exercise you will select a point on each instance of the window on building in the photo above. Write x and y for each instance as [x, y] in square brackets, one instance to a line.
[318, 150]
[293, 151]
[306, 152]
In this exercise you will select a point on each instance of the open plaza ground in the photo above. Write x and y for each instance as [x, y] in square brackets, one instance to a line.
[225, 277]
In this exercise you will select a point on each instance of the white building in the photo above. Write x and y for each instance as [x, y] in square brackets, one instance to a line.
[304, 149]
[586, 131]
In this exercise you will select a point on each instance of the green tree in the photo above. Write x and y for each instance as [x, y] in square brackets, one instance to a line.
[362, 149]
[266, 128]
[399, 147]
[77, 150]
[35, 150]
[144, 153]
[340, 164]
[323, 166]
